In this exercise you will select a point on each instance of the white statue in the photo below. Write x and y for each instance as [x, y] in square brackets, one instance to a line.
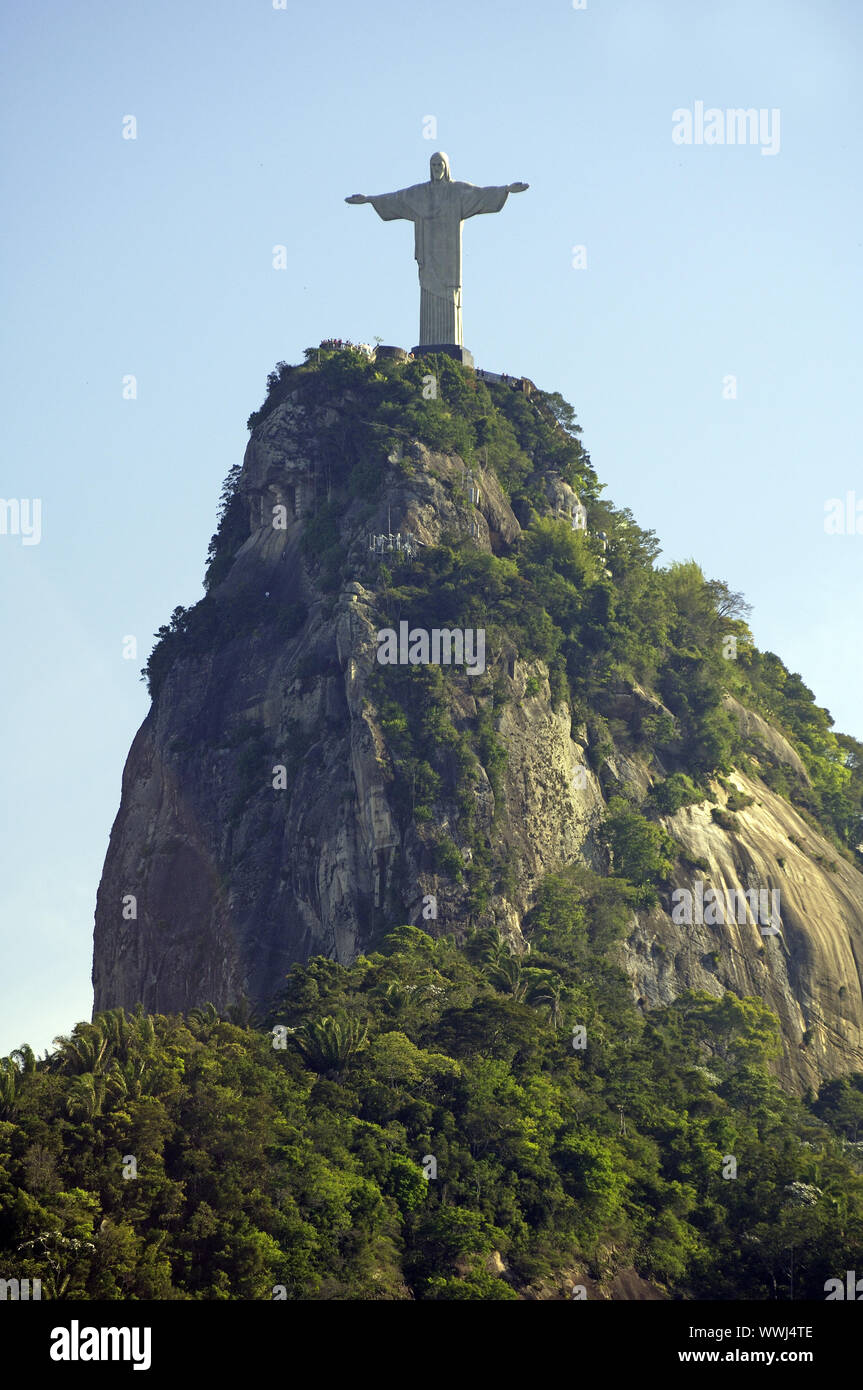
[437, 210]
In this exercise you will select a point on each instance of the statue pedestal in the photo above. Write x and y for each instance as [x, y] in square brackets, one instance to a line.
[400, 354]
[460, 354]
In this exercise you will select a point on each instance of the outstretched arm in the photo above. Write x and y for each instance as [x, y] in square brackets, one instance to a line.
[476, 199]
[387, 205]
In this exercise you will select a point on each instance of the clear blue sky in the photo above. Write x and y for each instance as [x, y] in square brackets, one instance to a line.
[153, 257]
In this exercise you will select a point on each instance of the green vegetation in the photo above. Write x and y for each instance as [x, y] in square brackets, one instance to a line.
[483, 422]
[299, 1158]
[305, 1166]
[212, 624]
[641, 853]
[433, 762]
[674, 792]
[595, 618]
[232, 529]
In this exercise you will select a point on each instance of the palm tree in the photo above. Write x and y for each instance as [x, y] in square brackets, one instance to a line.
[506, 975]
[115, 1028]
[546, 991]
[328, 1043]
[8, 1085]
[144, 1033]
[401, 997]
[86, 1097]
[242, 1014]
[205, 1015]
[88, 1049]
[123, 1078]
[25, 1058]
[837, 1200]
[485, 944]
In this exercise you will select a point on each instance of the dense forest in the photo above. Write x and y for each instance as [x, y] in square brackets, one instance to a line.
[435, 1122]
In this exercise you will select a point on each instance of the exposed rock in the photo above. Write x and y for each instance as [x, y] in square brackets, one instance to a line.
[494, 1264]
[809, 974]
[236, 878]
[624, 1286]
[764, 739]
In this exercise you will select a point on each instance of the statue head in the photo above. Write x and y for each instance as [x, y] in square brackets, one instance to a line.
[439, 167]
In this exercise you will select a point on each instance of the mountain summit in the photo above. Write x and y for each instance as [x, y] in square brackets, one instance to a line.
[435, 675]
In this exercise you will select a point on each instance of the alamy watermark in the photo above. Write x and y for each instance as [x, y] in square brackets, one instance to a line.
[442, 646]
[77, 1343]
[733, 126]
[22, 518]
[712, 907]
[852, 1289]
[843, 516]
[21, 1290]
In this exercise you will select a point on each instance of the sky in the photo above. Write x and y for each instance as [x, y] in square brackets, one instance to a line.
[156, 155]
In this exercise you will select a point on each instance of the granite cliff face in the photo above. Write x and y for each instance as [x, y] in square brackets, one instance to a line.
[262, 822]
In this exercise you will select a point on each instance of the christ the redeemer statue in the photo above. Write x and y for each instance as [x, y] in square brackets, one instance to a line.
[437, 210]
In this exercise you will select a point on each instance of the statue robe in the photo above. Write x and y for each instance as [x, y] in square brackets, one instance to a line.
[437, 209]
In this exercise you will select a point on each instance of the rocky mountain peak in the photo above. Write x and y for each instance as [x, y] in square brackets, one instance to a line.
[290, 794]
